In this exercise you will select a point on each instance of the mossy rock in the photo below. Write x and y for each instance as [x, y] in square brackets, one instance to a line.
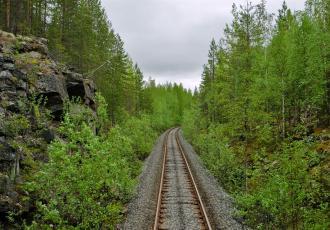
[15, 125]
[4, 182]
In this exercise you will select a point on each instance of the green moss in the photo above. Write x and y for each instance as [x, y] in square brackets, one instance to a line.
[4, 104]
[30, 64]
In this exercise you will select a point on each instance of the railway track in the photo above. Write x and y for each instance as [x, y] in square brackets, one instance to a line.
[179, 204]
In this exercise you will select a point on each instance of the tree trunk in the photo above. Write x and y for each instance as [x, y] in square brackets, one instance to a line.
[8, 15]
[283, 110]
[63, 20]
[45, 18]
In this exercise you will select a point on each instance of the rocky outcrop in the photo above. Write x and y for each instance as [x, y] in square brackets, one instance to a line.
[77, 86]
[31, 82]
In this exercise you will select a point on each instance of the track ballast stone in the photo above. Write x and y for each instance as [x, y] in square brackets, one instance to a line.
[219, 205]
[180, 208]
[141, 210]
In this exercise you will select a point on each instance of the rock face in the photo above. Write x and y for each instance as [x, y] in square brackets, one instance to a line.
[30, 81]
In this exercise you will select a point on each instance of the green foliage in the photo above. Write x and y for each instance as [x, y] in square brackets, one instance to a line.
[287, 186]
[141, 133]
[102, 123]
[14, 125]
[93, 164]
[220, 159]
[188, 123]
[266, 85]
[168, 103]
[41, 115]
[87, 178]
[80, 34]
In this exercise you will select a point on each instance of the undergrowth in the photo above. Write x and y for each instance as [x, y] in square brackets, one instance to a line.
[89, 177]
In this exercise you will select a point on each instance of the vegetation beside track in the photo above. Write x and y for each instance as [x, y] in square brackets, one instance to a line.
[261, 119]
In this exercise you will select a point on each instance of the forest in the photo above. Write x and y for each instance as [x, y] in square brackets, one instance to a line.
[80, 35]
[259, 120]
[131, 112]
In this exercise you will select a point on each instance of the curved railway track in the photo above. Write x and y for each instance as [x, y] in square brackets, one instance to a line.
[179, 204]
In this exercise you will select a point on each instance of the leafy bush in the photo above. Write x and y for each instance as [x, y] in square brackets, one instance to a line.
[89, 177]
[281, 199]
[15, 125]
[276, 185]
[86, 180]
[219, 158]
[42, 116]
[221, 161]
[189, 123]
[142, 135]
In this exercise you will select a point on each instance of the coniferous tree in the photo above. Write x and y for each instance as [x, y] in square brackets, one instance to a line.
[269, 98]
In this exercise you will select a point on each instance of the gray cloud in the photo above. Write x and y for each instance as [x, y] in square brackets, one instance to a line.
[169, 39]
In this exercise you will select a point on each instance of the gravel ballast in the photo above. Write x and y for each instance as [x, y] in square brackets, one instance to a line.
[218, 204]
[179, 206]
[141, 210]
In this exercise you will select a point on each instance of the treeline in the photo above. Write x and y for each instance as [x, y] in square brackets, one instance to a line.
[81, 36]
[263, 111]
[93, 163]
[168, 102]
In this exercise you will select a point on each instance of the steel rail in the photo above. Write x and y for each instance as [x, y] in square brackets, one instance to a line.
[190, 175]
[159, 199]
[201, 205]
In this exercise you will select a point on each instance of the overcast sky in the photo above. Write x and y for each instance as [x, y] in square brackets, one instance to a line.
[169, 39]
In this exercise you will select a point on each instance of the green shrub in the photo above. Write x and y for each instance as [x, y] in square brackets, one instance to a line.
[219, 158]
[87, 179]
[189, 124]
[92, 170]
[42, 116]
[282, 199]
[15, 125]
[142, 135]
